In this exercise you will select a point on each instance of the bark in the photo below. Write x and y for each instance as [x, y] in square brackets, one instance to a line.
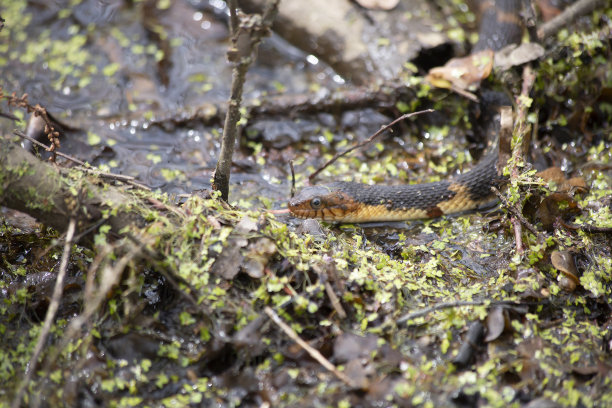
[53, 196]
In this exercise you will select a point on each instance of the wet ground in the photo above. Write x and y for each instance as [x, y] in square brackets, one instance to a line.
[140, 89]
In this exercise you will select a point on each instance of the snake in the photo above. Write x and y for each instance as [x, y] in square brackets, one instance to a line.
[350, 202]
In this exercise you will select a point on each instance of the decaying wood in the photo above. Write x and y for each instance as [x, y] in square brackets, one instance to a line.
[44, 192]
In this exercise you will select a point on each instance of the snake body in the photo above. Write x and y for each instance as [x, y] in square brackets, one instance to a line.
[355, 202]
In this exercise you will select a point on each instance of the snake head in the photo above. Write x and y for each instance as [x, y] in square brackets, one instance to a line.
[322, 202]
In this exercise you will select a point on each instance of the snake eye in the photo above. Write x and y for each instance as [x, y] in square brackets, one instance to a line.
[315, 203]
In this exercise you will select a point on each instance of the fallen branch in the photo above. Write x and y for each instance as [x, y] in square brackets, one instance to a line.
[40, 190]
[365, 142]
[335, 301]
[310, 350]
[568, 15]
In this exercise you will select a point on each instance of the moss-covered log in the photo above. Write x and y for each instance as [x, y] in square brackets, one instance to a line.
[53, 195]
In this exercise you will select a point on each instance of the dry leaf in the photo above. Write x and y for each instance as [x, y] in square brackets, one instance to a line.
[462, 73]
[496, 322]
[514, 55]
[378, 4]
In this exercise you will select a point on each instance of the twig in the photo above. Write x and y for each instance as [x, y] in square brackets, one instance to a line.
[568, 15]
[234, 22]
[516, 212]
[309, 349]
[292, 178]
[519, 140]
[112, 176]
[37, 111]
[448, 305]
[9, 116]
[584, 227]
[518, 234]
[49, 317]
[242, 54]
[334, 300]
[365, 142]
[108, 277]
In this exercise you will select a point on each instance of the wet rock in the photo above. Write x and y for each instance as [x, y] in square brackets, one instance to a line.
[275, 133]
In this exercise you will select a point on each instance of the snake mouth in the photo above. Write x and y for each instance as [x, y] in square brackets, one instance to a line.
[325, 214]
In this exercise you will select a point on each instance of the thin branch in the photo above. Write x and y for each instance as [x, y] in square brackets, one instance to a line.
[10, 116]
[292, 178]
[334, 300]
[521, 135]
[365, 142]
[102, 174]
[50, 316]
[459, 303]
[568, 15]
[585, 227]
[234, 23]
[314, 353]
[108, 277]
[515, 212]
[242, 55]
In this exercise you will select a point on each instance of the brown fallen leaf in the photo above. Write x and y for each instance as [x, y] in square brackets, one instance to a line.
[555, 205]
[495, 323]
[378, 4]
[462, 73]
[228, 262]
[470, 345]
[562, 183]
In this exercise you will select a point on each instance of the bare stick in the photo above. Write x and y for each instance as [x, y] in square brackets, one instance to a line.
[585, 227]
[292, 178]
[102, 174]
[448, 305]
[49, 317]
[242, 55]
[108, 277]
[516, 213]
[10, 116]
[234, 23]
[521, 133]
[365, 142]
[334, 300]
[518, 234]
[309, 349]
[568, 15]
